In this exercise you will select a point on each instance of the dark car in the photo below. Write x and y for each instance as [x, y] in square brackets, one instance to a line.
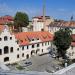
[28, 63]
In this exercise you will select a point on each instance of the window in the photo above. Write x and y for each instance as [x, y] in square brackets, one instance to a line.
[32, 46]
[11, 49]
[0, 51]
[10, 38]
[6, 50]
[23, 55]
[37, 51]
[42, 44]
[22, 47]
[37, 45]
[17, 41]
[0, 39]
[27, 56]
[37, 38]
[48, 43]
[32, 52]
[45, 43]
[32, 39]
[27, 47]
[42, 50]
[6, 59]
[18, 56]
[5, 38]
[18, 49]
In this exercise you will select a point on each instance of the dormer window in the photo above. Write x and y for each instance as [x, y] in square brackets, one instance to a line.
[32, 39]
[10, 38]
[37, 38]
[5, 38]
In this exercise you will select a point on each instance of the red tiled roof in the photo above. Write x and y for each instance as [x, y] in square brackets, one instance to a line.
[10, 18]
[6, 19]
[25, 37]
[63, 23]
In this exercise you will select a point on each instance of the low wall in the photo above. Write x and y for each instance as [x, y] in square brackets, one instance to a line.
[70, 70]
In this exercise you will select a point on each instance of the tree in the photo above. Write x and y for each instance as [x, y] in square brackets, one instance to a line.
[21, 20]
[10, 24]
[62, 40]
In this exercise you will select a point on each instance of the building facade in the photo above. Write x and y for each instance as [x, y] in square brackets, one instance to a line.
[15, 47]
[55, 26]
[39, 25]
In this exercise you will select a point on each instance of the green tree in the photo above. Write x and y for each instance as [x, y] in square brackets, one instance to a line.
[10, 24]
[21, 20]
[62, 41]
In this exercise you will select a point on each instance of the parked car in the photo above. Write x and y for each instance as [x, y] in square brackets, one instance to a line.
[53, 55]
[28, 63]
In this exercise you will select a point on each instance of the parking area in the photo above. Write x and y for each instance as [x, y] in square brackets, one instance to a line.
[39, 63]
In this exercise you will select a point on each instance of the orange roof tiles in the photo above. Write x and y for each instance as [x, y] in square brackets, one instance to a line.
[25, 37]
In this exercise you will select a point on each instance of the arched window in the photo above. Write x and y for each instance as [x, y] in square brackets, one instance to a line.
[6, 59]
[32, 46]
[18, 56]
[0, 51]
[27, 56]
[42, 50]
[5, 38]
[11, 49]
[10, 38]
[32, 52]
[6, 50]
[0, 39]
[23, 55]
[37, 51]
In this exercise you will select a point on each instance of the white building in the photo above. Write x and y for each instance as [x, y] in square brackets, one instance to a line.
[71, 50]
[55, 26]
[21, 46]
[38, 23]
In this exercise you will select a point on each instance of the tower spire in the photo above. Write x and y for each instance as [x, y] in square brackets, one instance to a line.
[44, 12]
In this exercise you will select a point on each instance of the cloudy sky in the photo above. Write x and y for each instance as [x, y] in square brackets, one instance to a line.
[60, 9]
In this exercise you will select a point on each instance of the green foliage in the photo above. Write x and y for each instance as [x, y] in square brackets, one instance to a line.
[21, 20]
[62, 40]
[10, 24]
[19, 67]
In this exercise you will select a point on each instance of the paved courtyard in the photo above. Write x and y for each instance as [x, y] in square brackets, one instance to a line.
[40, 63]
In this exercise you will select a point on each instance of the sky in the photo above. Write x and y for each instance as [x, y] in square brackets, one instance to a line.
[58, 9]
